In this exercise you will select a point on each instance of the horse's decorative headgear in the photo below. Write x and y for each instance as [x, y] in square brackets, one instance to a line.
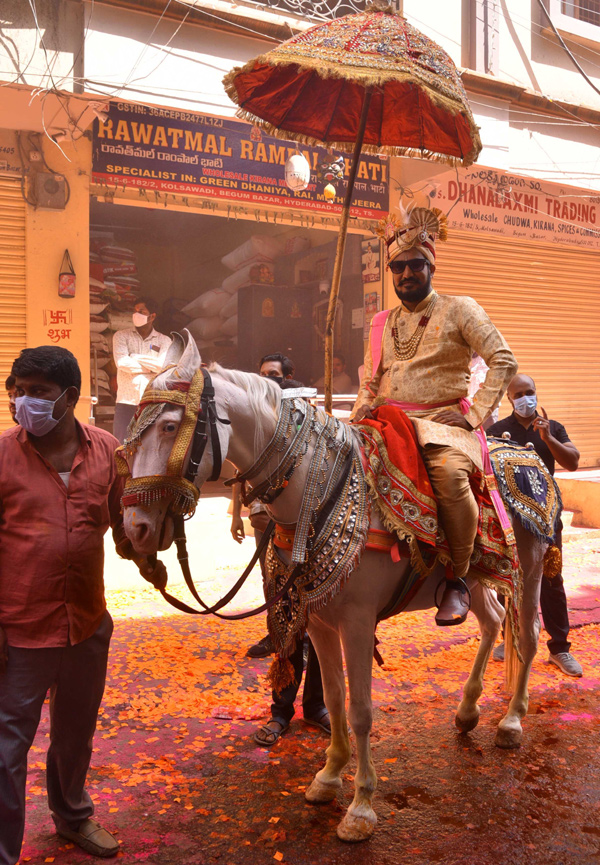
[146, 490]
[418, 230]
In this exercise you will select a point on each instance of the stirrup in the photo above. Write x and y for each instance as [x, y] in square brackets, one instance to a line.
[453, 580]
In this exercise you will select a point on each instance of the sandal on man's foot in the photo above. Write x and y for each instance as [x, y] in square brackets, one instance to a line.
[266, 736]
[322, 721]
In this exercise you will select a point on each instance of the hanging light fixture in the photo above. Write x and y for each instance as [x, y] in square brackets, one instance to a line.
[297, 172]
[329, 192]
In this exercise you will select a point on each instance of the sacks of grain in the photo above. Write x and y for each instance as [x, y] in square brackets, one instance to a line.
[231, 307]
[230, 327]
[258, 248]
[205, 328]
[252, 273]
[207, 304]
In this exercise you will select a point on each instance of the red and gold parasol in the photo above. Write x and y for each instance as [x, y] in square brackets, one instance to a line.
[367, 82]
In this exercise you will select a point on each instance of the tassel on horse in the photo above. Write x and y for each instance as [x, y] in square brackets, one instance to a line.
[281, 674]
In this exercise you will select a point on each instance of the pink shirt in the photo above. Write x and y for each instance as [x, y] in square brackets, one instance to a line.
[51, 539]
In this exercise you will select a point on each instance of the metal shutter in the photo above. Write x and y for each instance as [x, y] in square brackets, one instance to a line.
[546, 301]
[13, 332]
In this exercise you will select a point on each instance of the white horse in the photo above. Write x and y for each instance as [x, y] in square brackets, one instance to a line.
[348, 621]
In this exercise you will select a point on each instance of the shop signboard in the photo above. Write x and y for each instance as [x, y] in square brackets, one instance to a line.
[186, 154]
[488, 200]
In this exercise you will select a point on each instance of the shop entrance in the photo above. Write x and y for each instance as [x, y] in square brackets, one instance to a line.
[243, 288]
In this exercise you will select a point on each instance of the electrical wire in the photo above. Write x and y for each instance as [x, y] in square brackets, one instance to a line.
[528, 23]
[235, 24]
[164, 47]
[82, 46]
[42, 43]
[578, 66]
[21, 71]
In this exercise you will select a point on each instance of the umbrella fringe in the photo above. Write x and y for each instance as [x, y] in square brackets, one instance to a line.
[348, 147]
[371, 78]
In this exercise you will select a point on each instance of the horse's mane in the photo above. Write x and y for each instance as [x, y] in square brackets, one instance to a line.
[263, 393]
[258, 387]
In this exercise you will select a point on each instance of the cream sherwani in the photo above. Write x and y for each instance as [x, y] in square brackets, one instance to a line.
[439, 372]
[440, 369]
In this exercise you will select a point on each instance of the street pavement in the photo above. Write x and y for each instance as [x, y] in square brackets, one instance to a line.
[176, 776]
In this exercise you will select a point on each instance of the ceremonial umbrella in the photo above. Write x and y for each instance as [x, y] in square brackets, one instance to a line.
[368, 82]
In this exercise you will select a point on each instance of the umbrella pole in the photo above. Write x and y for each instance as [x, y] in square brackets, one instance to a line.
[339, 255]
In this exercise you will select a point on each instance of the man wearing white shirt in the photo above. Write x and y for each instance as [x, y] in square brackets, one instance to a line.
[139, 354]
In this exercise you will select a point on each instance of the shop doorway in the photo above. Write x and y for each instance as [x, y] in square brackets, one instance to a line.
[243, 288]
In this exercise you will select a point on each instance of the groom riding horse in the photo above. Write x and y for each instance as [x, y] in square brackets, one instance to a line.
[418, 361]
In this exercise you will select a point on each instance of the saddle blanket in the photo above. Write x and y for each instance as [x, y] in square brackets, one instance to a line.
[399, 488]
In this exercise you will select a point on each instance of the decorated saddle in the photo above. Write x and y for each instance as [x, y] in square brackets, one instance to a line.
[388, 472]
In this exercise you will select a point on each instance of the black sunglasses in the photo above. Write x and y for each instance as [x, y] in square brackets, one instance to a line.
[415, 264]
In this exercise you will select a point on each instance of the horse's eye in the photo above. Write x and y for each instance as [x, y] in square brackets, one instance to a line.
[170, 427]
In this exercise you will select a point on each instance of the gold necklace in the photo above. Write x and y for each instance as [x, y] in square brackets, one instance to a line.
[406, 349]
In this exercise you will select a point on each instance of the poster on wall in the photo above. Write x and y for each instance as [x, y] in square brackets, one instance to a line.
[370, 260]
[179, 152]
[372, 304]
[484, 199]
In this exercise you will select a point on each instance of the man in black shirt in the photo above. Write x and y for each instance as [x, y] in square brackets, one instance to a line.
[553, 445]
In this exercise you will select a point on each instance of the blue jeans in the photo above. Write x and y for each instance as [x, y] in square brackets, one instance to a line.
[75, 677]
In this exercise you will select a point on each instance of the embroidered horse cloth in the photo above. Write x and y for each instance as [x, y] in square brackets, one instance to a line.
[527, 488]
[394, 474]
[398, 480]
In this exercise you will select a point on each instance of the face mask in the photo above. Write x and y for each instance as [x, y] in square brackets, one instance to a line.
[525, 405]
[139, 319]
[35, 415]
[277, 378]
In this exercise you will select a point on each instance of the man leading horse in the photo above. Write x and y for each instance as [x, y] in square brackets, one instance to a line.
[418, 360]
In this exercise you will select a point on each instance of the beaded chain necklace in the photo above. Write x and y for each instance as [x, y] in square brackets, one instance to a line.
[406, 349]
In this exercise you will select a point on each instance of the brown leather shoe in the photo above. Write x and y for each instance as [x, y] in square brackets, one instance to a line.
[455, 604]
[92, 838]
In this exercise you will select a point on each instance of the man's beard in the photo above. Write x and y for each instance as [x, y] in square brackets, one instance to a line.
[415, 294]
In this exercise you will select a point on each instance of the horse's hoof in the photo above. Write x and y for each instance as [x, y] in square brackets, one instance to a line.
[465, 723]
[355, 829]
[509, 737]
[318, 793]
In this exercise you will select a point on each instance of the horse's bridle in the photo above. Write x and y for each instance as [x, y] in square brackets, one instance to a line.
[200, 418]
[199, 422]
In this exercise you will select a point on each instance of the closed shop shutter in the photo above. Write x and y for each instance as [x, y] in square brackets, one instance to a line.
[546, 302]
[12, 283]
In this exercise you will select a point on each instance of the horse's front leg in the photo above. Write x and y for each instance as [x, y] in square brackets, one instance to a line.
[490, 615]
[328, 781]
[360, 820]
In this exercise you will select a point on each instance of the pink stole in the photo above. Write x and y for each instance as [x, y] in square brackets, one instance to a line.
[378, 323]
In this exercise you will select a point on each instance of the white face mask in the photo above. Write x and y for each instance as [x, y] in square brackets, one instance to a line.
[35, 415]
[525, 406]
[139, 319]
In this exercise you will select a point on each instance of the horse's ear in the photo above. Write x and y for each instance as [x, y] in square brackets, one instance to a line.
[190, 360]
[175, 351]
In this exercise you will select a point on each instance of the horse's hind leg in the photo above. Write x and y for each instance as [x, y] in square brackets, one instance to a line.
[360, 820]
[490, 615]
[531, 553]
[328, 781]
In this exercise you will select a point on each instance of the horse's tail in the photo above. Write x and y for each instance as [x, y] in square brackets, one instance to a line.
[512, 665]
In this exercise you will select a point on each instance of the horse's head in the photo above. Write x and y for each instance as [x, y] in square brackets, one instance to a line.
[158, 448]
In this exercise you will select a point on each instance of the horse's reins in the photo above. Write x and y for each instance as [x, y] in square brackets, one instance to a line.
[198, 400]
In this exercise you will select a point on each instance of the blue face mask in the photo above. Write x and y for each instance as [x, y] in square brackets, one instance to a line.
[525, 406]
[35, 415]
